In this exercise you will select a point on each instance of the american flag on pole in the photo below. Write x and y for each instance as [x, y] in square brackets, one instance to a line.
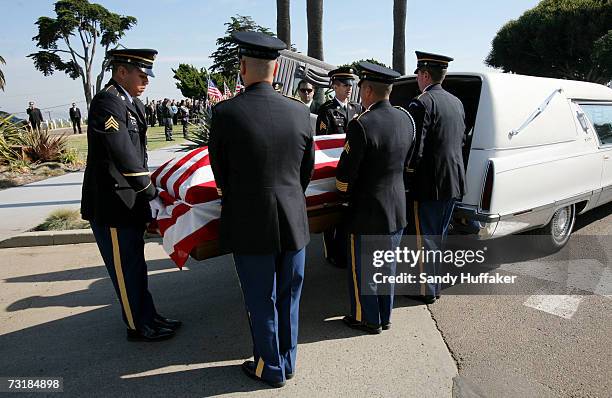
[213, 91]
[188, 207]
[226, 91]
[239, 86]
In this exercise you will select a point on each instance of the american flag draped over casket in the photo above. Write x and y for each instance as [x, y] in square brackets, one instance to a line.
[188, 208]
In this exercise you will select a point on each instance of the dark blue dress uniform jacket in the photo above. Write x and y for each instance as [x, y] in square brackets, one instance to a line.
[332, 119]
[436, 171]
[371, 169]
[116, 187]
[262, 156]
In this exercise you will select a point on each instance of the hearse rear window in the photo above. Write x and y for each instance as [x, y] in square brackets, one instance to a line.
[600, 116]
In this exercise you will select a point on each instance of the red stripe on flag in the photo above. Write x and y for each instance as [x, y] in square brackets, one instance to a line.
[329, 144]
[183, 248]
[204, 161]
[178, 164]
[202, 193]
[325, 170]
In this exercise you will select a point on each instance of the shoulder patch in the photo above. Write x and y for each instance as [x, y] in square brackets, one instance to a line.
[347, 147]
[111, 124]
[322, 125]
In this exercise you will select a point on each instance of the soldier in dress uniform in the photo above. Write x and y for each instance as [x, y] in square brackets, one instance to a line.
[333, 118]
[370, 174]
[117, 189]
[335, 114]
[262, 156]
[436, 172]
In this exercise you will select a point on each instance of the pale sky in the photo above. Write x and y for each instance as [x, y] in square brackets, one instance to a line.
[184, 31]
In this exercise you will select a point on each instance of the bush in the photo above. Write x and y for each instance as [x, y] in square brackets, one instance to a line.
[70, 156]
[199, 135]
[41, 147]
[11, 137]
[63, 219]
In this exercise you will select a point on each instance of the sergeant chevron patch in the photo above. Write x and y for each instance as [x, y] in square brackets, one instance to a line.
[111, 124]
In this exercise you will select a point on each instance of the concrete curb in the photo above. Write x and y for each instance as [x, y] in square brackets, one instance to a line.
[53, 238]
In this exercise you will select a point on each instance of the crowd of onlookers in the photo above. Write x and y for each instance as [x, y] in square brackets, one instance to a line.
[169, 113]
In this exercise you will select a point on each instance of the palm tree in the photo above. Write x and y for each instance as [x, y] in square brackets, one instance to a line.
[314, 15]
[399, 35]
[2, 80]
[283, 21]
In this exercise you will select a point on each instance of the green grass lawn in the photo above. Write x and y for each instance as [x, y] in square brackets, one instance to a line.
[155, 139]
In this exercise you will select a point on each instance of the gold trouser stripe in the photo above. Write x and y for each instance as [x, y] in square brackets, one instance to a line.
[419, 241]
[259, 370]
[120, 281]
[145, 188]
[355, 286]
[324, 246]
[144, 173]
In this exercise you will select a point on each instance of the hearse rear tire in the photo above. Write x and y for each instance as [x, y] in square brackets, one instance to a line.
[552, 237]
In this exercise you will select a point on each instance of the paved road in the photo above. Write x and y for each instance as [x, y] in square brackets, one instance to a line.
[59, 317]
[539, 345]
[22, 208]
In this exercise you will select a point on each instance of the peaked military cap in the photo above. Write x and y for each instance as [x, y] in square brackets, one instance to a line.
[142, 58]
[376, 73]
[344, 75]
[431, 60]
[258, 45]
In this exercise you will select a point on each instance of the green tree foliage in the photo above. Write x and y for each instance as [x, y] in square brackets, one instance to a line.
[2, 79]
[225, 58]
[75, 33]
[355, 63]
[569, 39]
[192, 82]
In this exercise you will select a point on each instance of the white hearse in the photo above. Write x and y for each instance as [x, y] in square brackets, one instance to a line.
[537, 152]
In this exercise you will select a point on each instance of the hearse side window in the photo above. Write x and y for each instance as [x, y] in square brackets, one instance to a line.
[600, 116]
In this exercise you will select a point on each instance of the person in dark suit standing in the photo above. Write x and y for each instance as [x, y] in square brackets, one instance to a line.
[306, 93]
[117, 190]
[436, 173]
[75, 117]
[333, 118]
[35, 117]
[159, 112]
[370, 174]
[262, 156]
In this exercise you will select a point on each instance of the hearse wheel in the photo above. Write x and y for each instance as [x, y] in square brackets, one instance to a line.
[558, 231]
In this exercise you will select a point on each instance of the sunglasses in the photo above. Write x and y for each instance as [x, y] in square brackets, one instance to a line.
[306, 90]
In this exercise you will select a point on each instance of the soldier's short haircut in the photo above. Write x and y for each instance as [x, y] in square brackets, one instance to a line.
[381, 90]
[259, 68]
[437, 74]
[128, 67]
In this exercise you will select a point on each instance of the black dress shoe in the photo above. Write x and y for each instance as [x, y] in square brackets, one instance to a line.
[147, 333]
[248, 367]
[167, 323]
[386, 326]
[289, 376]
[363, 326]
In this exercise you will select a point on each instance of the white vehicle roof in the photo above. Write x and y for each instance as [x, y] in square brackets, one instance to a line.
[507, 101]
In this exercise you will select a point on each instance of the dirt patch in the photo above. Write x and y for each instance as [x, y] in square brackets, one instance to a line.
[14, 177]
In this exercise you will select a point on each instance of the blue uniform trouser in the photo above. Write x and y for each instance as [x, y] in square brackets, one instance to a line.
[432, 218]
[272, 286]
[122, 249]
[367, 305]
